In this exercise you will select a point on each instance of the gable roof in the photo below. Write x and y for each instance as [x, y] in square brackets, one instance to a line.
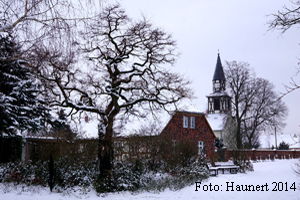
[194, 113]
[216, 121]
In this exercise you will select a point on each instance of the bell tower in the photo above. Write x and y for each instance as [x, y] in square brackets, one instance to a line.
[219, 100]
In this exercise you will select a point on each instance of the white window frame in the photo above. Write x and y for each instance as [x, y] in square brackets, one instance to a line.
[193, 122]
[200, 147]
[185, 122]
[174, 145]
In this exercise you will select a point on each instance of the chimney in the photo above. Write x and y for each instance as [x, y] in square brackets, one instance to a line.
[86, 119]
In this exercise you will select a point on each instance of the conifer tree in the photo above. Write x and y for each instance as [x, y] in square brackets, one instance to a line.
[61, 128]
[21, 106]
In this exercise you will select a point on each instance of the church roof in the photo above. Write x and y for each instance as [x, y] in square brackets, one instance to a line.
[219, 94]
[216, 121]
[219, 73]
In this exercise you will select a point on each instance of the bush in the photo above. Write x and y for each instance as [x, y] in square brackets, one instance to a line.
[218, 143]
[284, 146]
[241, 159]
[136, 176]
[245, 165]
[26, 173]
[128, 176]
[178, 177]
[69, 173]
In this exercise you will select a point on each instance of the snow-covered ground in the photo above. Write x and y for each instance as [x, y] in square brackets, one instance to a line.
[266, 176]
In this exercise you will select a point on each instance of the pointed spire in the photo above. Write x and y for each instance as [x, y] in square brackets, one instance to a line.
[219, 73]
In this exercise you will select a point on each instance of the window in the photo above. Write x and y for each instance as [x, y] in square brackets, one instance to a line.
[217, 86]
[118, 147]
[174, 145]
[117, 144]
[185, 122]
[217, 104]
[193, 125]
[134, 149]
[200, 147]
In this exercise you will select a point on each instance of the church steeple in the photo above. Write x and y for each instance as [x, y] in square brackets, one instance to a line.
[219, 80]
[219, 73]
[219, 100]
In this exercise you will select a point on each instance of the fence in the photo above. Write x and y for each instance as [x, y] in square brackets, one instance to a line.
[225, 154]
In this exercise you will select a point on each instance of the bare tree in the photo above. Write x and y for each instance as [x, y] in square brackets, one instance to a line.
[283, 20]
[292, 86]
[19, 14]
[45, 21]
[256, 107]
[126, 76]
[33, 20]
[239, 81]
[286, 18]
[266, 112]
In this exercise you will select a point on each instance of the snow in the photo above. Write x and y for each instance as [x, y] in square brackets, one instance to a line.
[161, 119]
[267, 174]
[189, 107]
[130, 125]
[267, 140]
[216, 121]
[134, 124]
[88, 129]
[218, 94]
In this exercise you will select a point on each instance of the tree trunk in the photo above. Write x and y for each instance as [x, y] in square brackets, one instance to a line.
[1, 146]
[239, 143]
[105, 152]
[106, 159]
[51, 180]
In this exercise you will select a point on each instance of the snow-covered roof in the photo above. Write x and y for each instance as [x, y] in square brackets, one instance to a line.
[216, 121]
[88, 129]
[218, 94]
[133, 124]
[40, 137]
[268, 140]
[189, 107]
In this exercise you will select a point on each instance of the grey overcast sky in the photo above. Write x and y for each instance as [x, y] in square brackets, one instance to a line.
[238, 29]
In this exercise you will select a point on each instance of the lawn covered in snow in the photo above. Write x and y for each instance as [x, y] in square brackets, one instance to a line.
[267, 176]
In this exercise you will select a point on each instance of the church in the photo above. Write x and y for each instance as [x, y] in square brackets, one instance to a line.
[219, 102]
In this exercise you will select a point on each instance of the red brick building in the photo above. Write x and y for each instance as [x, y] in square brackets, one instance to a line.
[192, 126]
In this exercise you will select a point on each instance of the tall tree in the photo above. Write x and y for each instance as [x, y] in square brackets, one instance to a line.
[21, 107]
[127, 74]
[255, 105]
